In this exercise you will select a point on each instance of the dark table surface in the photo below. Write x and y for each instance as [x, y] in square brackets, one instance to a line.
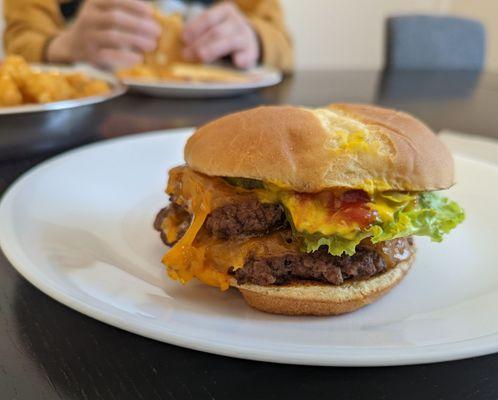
[48, 351]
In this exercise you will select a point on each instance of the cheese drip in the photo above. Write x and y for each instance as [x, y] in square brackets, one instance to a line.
[185, 260]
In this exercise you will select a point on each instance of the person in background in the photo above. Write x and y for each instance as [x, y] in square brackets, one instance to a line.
[117, 33]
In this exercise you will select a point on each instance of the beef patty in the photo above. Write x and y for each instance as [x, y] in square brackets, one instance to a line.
[182, 216]
[318, 266]
[248, 218]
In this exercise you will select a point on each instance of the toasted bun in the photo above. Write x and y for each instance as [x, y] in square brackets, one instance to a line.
[310, 298]
[308, 150]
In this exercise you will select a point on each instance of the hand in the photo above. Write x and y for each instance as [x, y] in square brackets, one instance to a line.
[107, 33]
[220, 31]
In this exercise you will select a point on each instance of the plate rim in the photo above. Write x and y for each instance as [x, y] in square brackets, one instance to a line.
[274, 77]
[387, 356]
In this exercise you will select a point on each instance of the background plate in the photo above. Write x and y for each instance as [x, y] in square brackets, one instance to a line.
[262, 77]
[117, 89]
[79, 228]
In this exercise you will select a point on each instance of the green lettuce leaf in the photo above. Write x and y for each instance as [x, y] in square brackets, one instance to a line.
[432, 215]
[336, 244]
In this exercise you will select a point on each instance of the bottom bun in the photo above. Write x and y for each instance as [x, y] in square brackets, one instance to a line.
[313, 298]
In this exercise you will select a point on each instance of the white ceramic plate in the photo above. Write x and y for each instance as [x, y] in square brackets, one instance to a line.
[482, 148]
[117, 89]
[260, 78]
[79, 227]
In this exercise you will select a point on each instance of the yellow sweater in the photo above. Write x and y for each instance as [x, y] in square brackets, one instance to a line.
[31, 24]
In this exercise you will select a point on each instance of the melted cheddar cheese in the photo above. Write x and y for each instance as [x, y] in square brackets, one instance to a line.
[186, 261]
[323, 212]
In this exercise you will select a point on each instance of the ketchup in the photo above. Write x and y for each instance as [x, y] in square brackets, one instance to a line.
[351, 206]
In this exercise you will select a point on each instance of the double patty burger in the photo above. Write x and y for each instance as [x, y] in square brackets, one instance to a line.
[306, 211]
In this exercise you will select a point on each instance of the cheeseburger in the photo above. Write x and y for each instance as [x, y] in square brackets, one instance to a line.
[306, 211]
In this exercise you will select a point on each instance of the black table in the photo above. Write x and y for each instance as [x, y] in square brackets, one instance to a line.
[48, 351]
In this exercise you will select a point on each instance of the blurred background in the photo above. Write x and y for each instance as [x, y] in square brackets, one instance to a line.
[351, 34]
[423, 56]
[345, 34]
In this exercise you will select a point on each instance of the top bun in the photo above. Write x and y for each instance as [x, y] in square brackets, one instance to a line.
[309, 150]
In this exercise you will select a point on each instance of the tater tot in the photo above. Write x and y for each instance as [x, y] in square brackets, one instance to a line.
[10, 95]
[22, 84]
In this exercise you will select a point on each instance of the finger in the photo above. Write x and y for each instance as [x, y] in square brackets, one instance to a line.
[217, 49]
[114, 58]
[124, 21]
[136, 7]
[245, 58]
[214, 16]
[118, 40]
[210, 46]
